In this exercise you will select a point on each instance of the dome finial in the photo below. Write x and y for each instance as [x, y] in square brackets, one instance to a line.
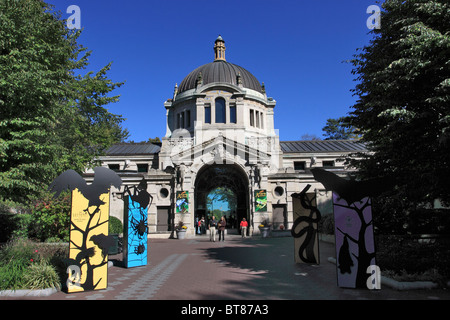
[219, 49]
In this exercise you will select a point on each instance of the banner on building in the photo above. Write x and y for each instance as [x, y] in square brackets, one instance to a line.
[260, 200]
[182, 202]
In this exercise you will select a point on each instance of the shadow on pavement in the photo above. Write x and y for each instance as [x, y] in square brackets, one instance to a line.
[272, 272]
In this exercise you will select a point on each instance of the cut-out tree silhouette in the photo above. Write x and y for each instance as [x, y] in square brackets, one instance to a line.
[89, 240]
[353, 225]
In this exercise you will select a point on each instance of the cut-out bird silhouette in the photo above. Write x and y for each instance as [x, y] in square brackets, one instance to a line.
[104, 178]
[103, 242]
[140, 194]
[350, 190]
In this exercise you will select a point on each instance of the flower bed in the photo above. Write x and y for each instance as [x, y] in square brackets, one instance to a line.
[25, 264]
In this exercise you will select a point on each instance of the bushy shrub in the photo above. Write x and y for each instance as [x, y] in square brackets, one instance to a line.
[15, 221]
[52, 217]
[403, 254]
[7, 226]
[25, 226]
[115, 226]
[41, 276]
[15, 258]
[25, 264]
[326, 224]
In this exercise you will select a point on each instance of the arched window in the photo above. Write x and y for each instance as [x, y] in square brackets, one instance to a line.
[220, 110]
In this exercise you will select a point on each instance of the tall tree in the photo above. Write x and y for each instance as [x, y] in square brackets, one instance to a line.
[51, 118]
[339, 129]
[403, 108]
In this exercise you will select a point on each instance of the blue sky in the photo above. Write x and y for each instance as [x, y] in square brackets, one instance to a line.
[296, 48]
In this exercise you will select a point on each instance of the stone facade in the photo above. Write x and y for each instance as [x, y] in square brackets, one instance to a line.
[221, 133]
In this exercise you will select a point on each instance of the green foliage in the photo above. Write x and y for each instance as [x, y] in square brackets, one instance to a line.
[52, 217]
[403, 114]
[15, 258]
[51, 117]
[339, 129]
[41, 276]
[25, 264]
[403, 254]
[11, 275]
[24, 225]
[326, 224]
[115, 226]
[221, 194]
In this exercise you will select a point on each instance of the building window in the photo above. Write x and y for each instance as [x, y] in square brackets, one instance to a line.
[257, 119]
[208, 114]
[299, 165]
[220, 110]
[328, 164]
[114, 167]
[233, 118]
[252, 118]
[188, 118]
[262, 121]
[142, 167]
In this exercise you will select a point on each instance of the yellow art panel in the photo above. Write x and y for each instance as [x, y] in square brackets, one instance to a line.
[88, 244]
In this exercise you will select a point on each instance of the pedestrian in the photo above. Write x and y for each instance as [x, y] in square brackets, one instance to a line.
[244, 225]
[199, 227]
[196, 224]
[212, 229]
[202, 225]
[222, 224]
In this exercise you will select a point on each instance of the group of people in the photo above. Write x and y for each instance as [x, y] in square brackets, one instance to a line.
[220, 226]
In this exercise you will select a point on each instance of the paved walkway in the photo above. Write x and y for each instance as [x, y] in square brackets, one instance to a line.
[237, 269]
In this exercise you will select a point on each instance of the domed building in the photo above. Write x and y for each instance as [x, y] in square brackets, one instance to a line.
[220, 134]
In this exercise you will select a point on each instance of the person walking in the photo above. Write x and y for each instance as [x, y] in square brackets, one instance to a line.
[212, 229]
[222, 224]
[244, 225]
[202, 226]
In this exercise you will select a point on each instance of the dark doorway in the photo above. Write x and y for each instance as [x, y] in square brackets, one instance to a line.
[231, 177]
[279, 216]
[162, 219]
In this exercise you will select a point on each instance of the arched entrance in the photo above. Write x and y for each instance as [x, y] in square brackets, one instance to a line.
[232, 177]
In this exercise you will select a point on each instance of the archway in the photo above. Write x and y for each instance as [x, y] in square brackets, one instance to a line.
[229, 177]
[222, 201]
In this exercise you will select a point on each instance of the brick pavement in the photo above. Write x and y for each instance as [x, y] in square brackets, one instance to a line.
[237, 269]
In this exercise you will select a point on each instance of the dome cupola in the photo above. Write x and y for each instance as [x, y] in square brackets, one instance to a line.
[220, 71]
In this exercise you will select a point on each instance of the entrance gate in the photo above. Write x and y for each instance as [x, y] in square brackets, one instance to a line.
[229, 176]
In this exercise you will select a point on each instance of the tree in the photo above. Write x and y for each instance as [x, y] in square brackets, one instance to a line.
[221, 194]
[339, 129]
[308, 136]
[403, 109]
[154, 140]
[51, 117]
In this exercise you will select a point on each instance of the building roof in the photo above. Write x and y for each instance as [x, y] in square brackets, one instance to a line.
[220, 71]
[314, 146]
[120, 149]
[302, 146]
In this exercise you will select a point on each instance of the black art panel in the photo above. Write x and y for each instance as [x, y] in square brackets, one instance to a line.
[304, 230]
